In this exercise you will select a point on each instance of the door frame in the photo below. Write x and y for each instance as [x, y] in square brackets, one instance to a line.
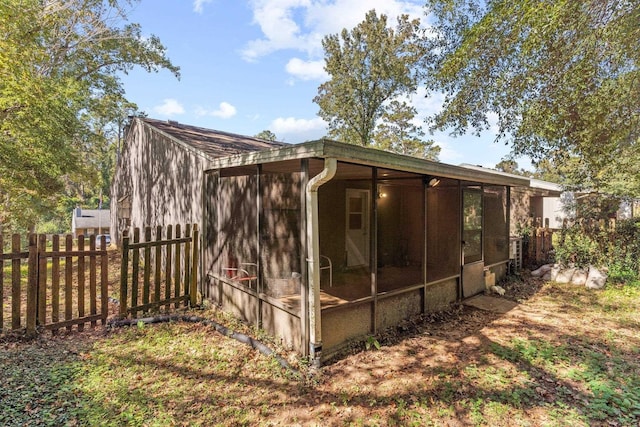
[472, 272]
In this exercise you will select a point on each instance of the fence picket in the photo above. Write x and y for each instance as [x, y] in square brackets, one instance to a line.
[32, 286]
[55, 280]
[146, 287]
[93, 308]
[124, 271]
[187, 262]
[104, 281]
[193, 286]
[42, 280]
[68, 281]
[15, 282]
[136, 271]
[158, 265]
[178, 260]
[168, 264]
[81, 281]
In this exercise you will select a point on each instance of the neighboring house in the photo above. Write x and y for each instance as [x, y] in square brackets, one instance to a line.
[322, 242]
[89, 222]
[629, 209]
[544, 203]
[158, 179]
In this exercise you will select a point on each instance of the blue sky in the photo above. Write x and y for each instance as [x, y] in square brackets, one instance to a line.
[247, 66]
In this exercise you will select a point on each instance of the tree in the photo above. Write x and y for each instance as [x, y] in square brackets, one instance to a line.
[398, 133]
[508, 166]
[562, 77]
[369, 65]
[59, 93]
[267, 135]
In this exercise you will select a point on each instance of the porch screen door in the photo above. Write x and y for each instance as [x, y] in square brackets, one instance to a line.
[472, 235]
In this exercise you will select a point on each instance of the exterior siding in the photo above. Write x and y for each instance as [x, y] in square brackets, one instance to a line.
[161, 180]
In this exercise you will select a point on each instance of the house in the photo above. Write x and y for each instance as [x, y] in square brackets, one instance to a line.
[323, 242]
[88, 222]
[159, 172]
[318, 243]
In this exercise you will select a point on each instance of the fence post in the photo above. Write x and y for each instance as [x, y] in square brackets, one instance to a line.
[104, 281]
[32, 286]
[193, 287]
[187, 262]
[124, 270]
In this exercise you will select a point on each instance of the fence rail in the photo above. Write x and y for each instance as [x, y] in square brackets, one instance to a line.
[53, 292]
[158, 271]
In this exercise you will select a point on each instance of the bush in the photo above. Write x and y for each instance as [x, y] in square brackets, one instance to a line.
[596, 243]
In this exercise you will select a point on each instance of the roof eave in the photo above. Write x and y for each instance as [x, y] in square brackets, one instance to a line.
[366, 156]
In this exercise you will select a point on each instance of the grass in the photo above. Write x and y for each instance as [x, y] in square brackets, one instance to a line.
[566, 356]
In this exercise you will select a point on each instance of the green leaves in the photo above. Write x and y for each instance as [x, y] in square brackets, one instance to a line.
[562, 76]
[369, 65]
[398, 133]
[60, 96]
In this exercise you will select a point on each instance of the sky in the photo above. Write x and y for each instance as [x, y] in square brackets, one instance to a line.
[249, 66]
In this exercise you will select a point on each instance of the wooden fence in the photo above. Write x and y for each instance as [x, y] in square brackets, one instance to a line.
[40, 298]
[540, 250]
[158, 272]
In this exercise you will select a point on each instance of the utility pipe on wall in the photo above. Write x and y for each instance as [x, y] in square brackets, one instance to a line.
[313, 257]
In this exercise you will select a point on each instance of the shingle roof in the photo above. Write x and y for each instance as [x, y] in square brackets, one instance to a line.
[213, 143]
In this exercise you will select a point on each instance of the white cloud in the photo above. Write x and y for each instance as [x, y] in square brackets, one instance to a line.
[295, 130]
[306, 70]
[427, 104]
[169, 107]
[332, 17]
[301, 24]
[198, 5]
[448, 154]
[224, 111]
[291, 124]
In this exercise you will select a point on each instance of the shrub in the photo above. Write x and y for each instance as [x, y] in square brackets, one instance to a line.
[616, 247]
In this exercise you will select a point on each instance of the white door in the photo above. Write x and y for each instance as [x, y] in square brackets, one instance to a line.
[357, 232]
